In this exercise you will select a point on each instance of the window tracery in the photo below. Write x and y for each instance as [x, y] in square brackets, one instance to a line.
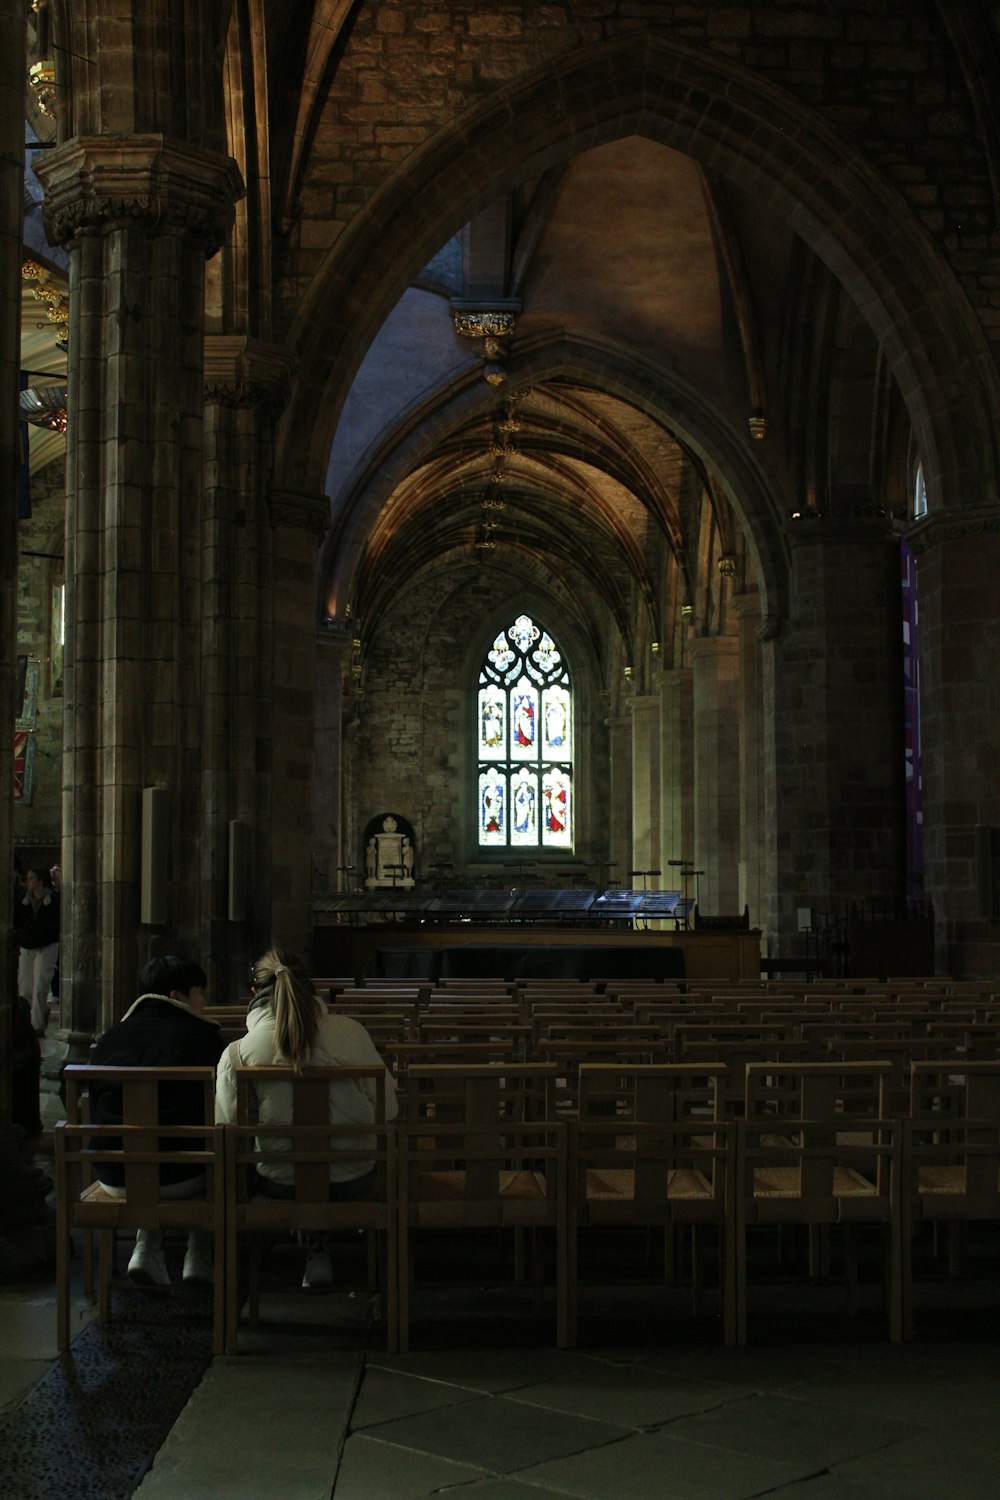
[524, 735]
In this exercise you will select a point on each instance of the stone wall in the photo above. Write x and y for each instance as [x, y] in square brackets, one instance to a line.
[888, 78]
[412, 752]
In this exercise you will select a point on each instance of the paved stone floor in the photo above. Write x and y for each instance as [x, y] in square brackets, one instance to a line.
[650, 1405]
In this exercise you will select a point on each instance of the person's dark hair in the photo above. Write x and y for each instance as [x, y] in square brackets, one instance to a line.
[293, 1001]
[161, 975]
[42, 875]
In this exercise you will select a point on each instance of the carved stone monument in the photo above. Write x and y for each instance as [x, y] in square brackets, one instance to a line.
[389, 853]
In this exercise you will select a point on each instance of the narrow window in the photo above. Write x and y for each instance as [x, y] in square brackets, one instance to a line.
[524, 732]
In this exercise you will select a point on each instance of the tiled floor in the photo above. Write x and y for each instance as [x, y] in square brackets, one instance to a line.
[313, 1407]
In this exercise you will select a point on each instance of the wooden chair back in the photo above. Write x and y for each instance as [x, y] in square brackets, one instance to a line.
[651, 1148]
[140, 1148]
[309, 1144]
[477, 1151]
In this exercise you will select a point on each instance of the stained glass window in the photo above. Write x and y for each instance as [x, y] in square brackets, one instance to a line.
[524, 733]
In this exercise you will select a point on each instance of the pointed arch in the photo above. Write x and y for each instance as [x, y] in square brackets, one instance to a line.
[733, 123]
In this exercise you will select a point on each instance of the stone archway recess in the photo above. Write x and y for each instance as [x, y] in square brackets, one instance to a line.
[730, 121]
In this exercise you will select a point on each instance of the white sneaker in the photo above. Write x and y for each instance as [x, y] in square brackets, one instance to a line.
[198, 1266]
[318, 1274]
[148, 1266]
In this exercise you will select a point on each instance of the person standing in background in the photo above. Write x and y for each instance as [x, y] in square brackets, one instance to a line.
[36, 928]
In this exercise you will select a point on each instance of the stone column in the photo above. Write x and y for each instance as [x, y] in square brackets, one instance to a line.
[12, 66]
[715, 666]
[299, 523]
[25, 1237]
[958, 563]
[139, 215]
[619, 818]
[835, 690]
[646, 783]
[676, 773]
[246, 388]
[333, 657]
[752, 884]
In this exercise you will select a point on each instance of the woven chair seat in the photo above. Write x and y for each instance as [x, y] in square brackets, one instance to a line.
[941, 1179]
[442, 1187]
[785, 1182]
[96, 1192]
[615, 1184]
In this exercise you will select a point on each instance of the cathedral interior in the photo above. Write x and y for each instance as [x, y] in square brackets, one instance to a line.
[561, 441]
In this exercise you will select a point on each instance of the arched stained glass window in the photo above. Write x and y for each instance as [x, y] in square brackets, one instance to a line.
[524, 730]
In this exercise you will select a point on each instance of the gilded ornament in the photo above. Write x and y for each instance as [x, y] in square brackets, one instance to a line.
[481, 325]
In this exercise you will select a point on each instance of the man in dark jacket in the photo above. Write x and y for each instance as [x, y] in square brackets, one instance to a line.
[164, 1028]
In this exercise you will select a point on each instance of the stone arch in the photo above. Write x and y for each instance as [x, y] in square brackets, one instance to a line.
[609, 367]
[855, 220]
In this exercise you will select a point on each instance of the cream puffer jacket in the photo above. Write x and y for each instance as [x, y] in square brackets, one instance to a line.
[340, 1042]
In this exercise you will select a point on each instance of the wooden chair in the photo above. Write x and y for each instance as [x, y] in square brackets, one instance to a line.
[471, 1156]
[650, 1149]
[570, 1055]
[140, 1147]
[951, 1157]
[309, 1145]
[693, 1046]
[817, 1148]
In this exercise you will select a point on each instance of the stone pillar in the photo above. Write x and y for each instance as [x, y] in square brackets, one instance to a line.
[676, 773]
[958, 561]
[12, 66]
[619, 819]
[835, 695]
[752, 884]
[139, 215]
[333, 657]
[246, 387]
[299, 523]
[646, 784]
[25, 1235]
[715, 666]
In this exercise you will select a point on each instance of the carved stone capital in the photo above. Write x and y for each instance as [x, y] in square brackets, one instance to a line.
[748, 604]
[242, 372]
[705, 647]
[483, 323]
[334, 638]
[811, 529]
[300, 512]
[953, 526]
[95, 182]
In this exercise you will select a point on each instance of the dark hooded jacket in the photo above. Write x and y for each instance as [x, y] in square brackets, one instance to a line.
[156, 1032]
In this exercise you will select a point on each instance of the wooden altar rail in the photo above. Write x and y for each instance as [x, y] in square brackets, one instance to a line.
[708, 954]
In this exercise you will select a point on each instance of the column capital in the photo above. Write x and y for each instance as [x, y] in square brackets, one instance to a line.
[743, 605]
[953, 526]
[335, 638]
[703, 646]
[300, 512]
[100, 181]
[240, 372]
[811, 529]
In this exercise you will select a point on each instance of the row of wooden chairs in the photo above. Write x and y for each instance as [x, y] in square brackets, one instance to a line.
[485, 1147]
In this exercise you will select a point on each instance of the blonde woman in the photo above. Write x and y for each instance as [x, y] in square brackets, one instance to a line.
[287, 1023]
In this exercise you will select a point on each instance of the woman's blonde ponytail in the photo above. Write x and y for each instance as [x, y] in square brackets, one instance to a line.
[296, 1010]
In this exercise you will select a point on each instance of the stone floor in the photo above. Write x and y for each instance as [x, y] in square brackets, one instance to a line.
[650, 1405]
